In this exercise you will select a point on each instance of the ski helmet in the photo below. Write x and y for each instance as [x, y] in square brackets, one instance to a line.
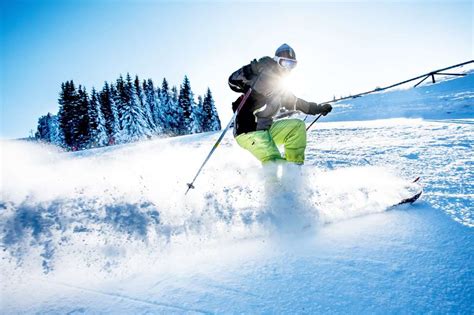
[286, 57]
[285, 51]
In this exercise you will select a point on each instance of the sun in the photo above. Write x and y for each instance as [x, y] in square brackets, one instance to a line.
[288, 82]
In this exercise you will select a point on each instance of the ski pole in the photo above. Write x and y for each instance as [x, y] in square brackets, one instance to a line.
[380, 89]
[313, 121]
[242, 102]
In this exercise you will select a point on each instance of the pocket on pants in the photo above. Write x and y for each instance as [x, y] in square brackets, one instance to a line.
[260, 144]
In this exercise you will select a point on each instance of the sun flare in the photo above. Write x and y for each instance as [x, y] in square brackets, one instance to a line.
[288, 82]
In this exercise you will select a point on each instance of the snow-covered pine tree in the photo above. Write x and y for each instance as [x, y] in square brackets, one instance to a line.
[56, 135]
[82, 135]
[186, 104]
[174, 113]
[43, 132]
[174, 94]
[158, 92]
[197, 117]
[146, 110]
[121, 100]
[117, 134]
[64, 102]
[212, 121]
[105, 101]
[153, 101]
[73, 118]
[133, 120]
[49, 130]
[165, 94]
[97, 130]
[165, 109]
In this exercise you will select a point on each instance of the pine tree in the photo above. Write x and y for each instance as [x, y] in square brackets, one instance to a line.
[165, 108]
[146, 110]
[211, 121]
[133, 120]
[216, 121]
[57, 136]
[82, 135]
[174, 95]
[165, 91]
[68, 114]
[121, 100]
[43, 132]
[148, 98]
[97, 129]
[158, 93]
[186, 104]
[197, 117]
[152, 100]
[73, 118]
[116, 135]
[49, 130]
[174, 113]
[106, 106]
[207, 113]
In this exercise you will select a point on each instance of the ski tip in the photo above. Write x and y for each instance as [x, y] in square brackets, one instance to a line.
[417, 179]
[411, 199]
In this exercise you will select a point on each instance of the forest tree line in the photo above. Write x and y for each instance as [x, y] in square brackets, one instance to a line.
[124, 112]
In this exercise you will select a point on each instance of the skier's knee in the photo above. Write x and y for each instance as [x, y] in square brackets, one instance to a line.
[298, 137]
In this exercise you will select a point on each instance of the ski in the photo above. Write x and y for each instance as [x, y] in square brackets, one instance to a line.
[411, 199]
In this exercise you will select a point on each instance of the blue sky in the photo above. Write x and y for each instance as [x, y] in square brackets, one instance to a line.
[342, 47]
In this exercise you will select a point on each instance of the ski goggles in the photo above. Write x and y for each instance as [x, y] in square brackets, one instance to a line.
[286, 62]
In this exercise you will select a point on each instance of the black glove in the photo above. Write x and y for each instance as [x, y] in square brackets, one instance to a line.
[319, 109]
[325, 109]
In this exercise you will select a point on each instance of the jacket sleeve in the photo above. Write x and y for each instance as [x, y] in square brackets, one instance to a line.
[312, 108]
[291, 102]
[303, 106]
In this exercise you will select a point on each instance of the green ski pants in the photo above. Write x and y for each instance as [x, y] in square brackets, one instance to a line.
[263, 144]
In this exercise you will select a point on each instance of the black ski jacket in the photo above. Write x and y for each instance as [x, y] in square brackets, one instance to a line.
[267, 99]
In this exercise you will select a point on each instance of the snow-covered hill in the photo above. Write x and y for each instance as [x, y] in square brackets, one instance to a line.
[110, 230]
[450, 98]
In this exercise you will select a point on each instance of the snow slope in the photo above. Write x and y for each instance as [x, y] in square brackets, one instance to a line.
[450, 98]
[110, 230]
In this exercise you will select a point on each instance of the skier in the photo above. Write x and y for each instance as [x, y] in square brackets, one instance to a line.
[255, 129]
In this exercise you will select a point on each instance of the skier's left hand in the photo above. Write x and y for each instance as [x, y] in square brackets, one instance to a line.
[325, 109]
[319, 109]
